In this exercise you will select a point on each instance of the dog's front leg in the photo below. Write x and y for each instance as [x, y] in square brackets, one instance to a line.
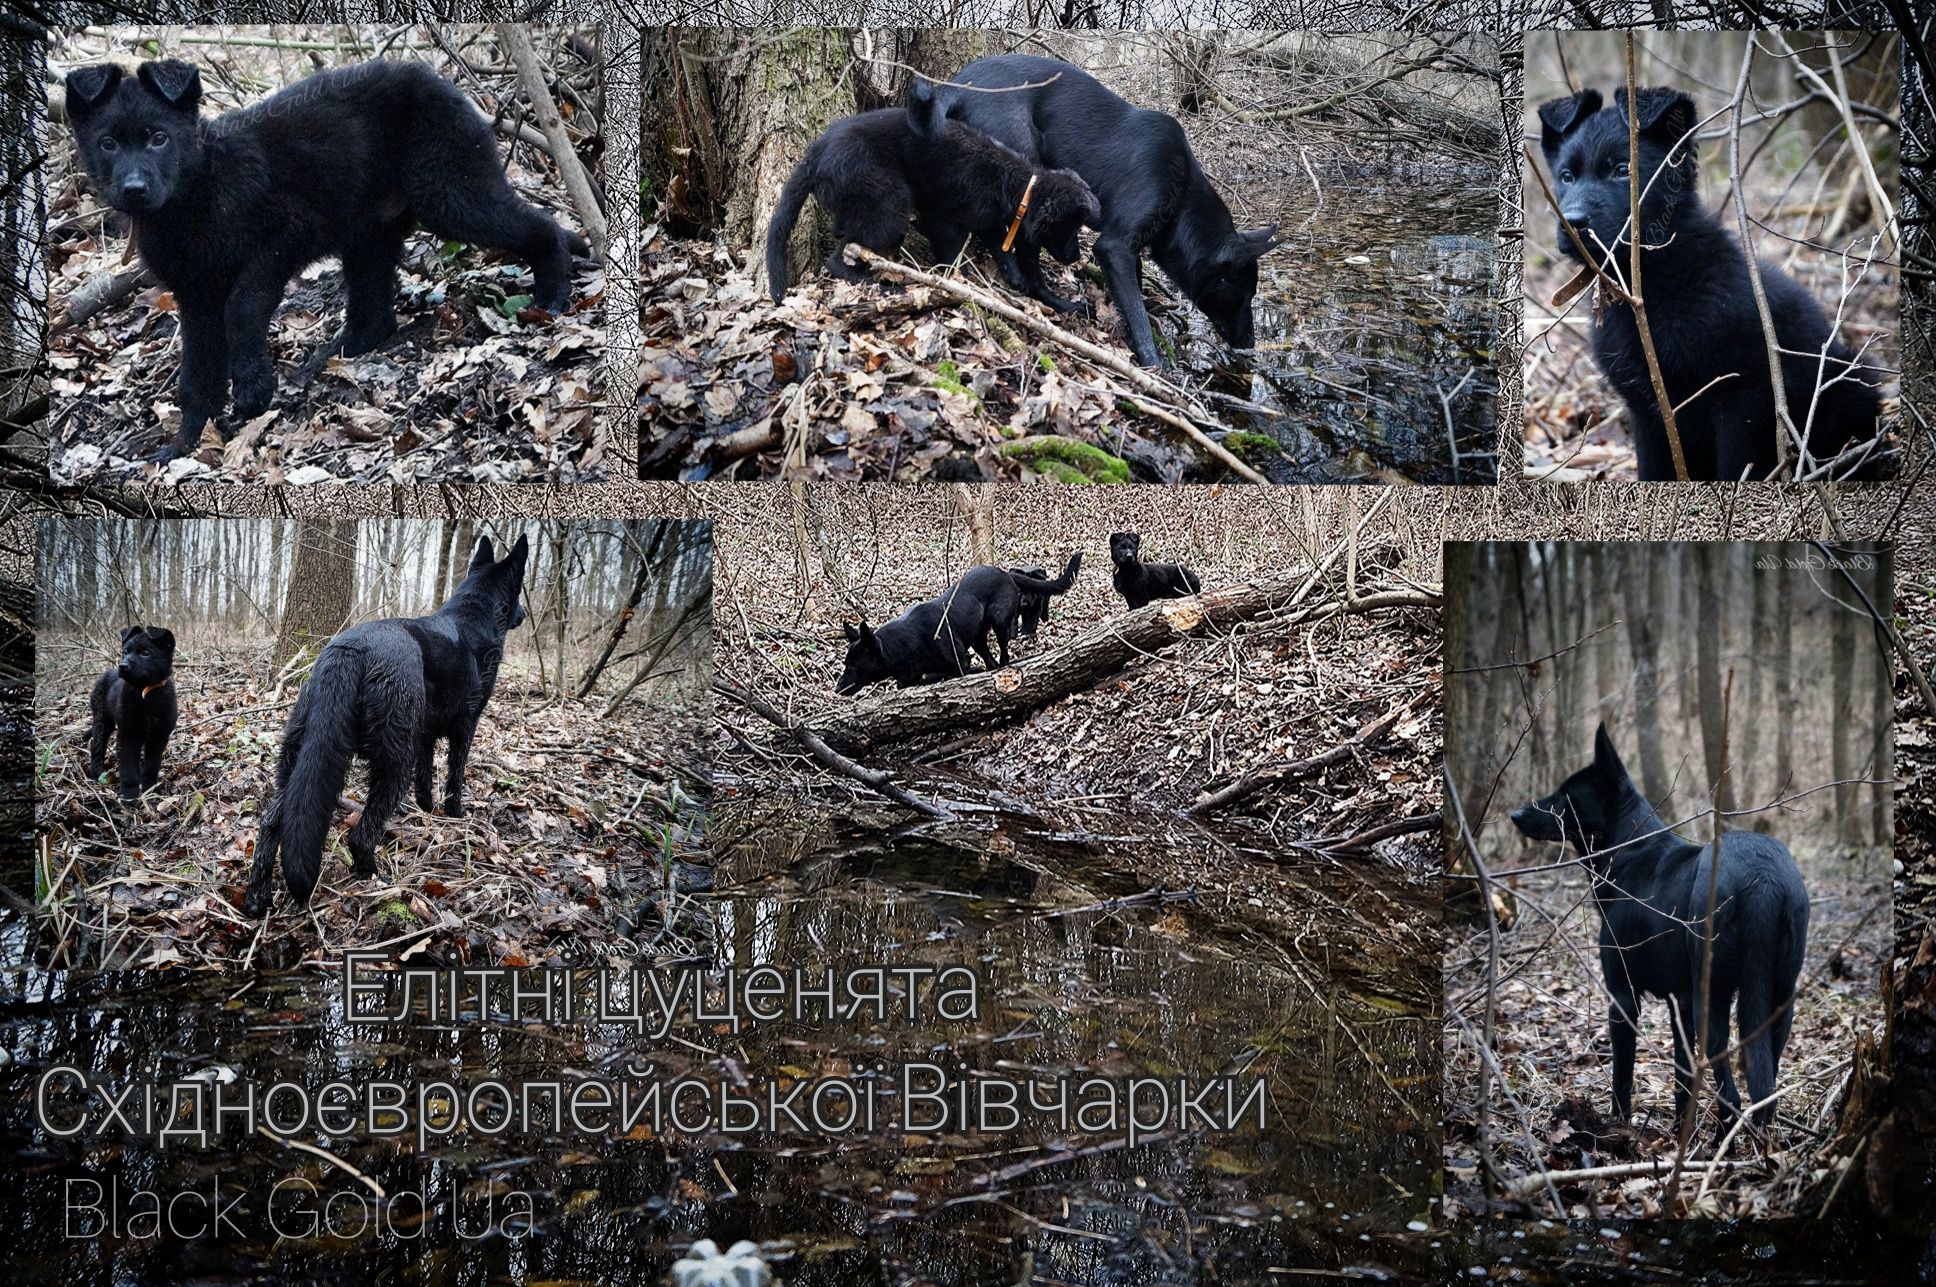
[151, 758]
[251, 304]
[128, 754]
[1622, 1013]
[203, 381]
[97, 748]
[1122, 268]
[425, 772]
[1023, 271]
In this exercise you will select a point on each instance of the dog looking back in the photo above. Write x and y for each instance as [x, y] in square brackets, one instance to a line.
[935, 638]
[872, 172]
[344, 163]
[1139, 582]
[387, 691]
[1651, 888]
[1139, 164]
[1701, 309]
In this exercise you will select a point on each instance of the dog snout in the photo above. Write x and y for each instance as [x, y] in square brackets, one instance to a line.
[134, 189]
[123, 671]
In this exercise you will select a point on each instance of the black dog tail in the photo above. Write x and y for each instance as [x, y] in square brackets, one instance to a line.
[793, 197]
[924, 111]
[1040, 585]
[321, 738]
[1767, 995]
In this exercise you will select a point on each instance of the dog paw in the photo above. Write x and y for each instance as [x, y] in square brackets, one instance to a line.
[453, 808]
[255, 902]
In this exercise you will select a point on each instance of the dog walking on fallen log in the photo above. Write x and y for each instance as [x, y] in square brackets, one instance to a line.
[935, 639]
[1651, 888]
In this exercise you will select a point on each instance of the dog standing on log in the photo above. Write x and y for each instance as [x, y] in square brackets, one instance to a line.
[1139, 582]
[387, 691]
[135, 700]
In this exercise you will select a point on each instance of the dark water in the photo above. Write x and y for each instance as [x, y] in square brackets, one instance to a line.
[1368, 320]
[1339, 1183]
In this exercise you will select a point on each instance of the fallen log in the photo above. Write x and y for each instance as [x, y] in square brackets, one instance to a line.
[1251, 783]
[875, 780]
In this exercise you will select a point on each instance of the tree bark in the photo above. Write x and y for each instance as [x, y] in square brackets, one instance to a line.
[322, 588]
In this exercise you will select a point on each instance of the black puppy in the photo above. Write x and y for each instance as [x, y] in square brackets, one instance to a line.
[872, 172]
[1652, 891]
[387, 691]
[1700, 303]
[344, 163]
[1139, 582]
[1033, 608]
[136, 700]
[934, 639]
[1139, 164]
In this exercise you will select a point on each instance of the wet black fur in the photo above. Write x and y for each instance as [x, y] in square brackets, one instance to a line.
[1700, 303]
[344, 163]
[1652, 889]
[387, 691]
[871, 173]
[1139, 582]
[135, 703]
[934, 639]
[1154, 195]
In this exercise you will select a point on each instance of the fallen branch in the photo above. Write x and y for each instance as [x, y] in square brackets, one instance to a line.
[103, 291]
[516, 40]
[1095, 353]
[874, 780]
[1432, 821]
[1251, 783]
[1523, 1185]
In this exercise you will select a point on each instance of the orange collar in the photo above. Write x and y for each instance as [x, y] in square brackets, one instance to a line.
[163, 684]
[1008, 242]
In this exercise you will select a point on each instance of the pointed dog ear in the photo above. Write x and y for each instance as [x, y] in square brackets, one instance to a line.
[1604, 756]
[129, 632]
[1662, 113]
[519, 553]
[485, 555]
[853, 635]
[88, 87]
[1247, 247]
[173, 81]
[1559, 117]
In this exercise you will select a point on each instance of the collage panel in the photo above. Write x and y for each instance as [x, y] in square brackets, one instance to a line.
[1271, 256]
[302, 254]
[1617, 715]
[1767, 186]
[263, 742]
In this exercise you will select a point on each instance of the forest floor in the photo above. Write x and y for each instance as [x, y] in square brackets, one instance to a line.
[1144, 742]
[1374, 327]
[572, 823]
[476, 386]
[1551, 1043]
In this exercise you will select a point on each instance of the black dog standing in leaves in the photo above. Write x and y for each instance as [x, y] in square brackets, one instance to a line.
[1139, 582]
[1032, 609]
[1700, 303]
[135, 702]
[1154, 195]
[387, 691]
[872, 172]
[1652, 891]
[935, 638]
[344, 163]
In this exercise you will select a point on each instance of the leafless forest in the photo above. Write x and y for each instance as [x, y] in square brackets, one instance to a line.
[1752, 679]
[587, 779]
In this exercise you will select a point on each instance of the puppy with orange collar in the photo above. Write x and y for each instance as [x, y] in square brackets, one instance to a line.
[135, 701]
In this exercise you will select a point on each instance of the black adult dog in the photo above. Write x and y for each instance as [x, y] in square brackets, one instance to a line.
[872, 172]
[934, 639]
[135, 702]
[387, 691]
[1700, 303]
[1652, 891]
[1139, 582]
[344, 163]
[1139, 163]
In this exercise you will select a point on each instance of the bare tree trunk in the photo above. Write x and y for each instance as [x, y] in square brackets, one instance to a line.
[976, 504]
[1709, 615]
[322, 588]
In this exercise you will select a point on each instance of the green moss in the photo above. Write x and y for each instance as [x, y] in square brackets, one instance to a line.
[1048, 363]
[396, 914]
[1249, 446]
[1065, 460]
[948, 376]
